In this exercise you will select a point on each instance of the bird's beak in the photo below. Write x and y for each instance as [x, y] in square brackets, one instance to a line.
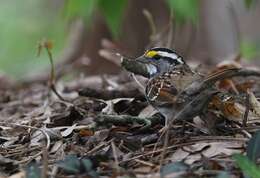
[143, 59]
[150, 67]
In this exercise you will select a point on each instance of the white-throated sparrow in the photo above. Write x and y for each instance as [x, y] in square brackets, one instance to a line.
[174, 88]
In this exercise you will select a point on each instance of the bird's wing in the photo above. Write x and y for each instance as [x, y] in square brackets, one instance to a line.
[160, 90]
[222, 74]
[166, 87]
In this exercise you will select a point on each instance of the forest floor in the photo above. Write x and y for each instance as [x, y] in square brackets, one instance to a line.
[104, 127]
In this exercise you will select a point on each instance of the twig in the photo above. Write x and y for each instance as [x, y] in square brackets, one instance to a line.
[110, 94]
[115, 156]
[247, 104]
[247, 128]
[99, 147]
[138, 83]
[247, 134]
[47, 45]
[19, 152]
[150, 20]
[53, 88]
[124, 119]
[44, 162]
[29, 158]
[170, 34]
[145, 163]
[166, 140]
[191, 38]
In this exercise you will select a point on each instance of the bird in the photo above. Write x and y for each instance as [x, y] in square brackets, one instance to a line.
[173, 88]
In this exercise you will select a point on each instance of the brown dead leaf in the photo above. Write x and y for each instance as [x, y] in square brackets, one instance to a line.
[228, 84]
[119, 129]
[234, 61]
[245, 86]
[86, 133]
[232, 110]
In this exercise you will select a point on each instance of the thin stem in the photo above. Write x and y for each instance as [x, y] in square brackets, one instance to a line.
[150, 20]
[52, 74]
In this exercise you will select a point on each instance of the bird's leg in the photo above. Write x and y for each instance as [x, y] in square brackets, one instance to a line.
[166, 121]
[166, 124]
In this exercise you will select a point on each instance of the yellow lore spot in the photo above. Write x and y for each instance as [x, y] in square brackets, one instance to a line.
[151, 54]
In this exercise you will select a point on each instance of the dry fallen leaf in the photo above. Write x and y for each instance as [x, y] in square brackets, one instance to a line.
[222, 148]
[148, 111]
[193, 158]
[255, 104]
[86, 133]
[193, 153]
[38, 136]
[57, 145]
[179, 155]
[235, 111]
[68, 131]
[109, 109]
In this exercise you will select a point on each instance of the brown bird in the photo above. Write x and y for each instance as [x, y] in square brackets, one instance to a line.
[174, 89]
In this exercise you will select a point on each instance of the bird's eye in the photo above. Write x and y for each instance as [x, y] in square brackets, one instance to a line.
[156, 57]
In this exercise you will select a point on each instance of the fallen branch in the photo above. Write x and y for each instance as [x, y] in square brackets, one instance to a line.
[110, 94]
[126, 119]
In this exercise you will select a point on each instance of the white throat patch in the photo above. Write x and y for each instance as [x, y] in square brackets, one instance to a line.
[152, 69]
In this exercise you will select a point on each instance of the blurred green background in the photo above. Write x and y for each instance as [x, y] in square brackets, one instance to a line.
[25, 23]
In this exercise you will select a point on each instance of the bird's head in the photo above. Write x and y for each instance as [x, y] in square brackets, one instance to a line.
[160, 60]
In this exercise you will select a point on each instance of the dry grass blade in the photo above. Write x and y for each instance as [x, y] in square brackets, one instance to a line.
[115, 156]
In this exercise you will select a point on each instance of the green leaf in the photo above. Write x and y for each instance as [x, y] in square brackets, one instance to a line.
[70, 164]
[88, 166]
[113, 13]
[223, 175]
[173, 167]
[248, 3]
[74, 165]
[248, 49]
[20, 30]
[184, 10]
[79, 8]
[253, 147]
[248, 167]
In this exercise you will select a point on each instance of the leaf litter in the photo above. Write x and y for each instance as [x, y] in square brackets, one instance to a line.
[109, 130]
